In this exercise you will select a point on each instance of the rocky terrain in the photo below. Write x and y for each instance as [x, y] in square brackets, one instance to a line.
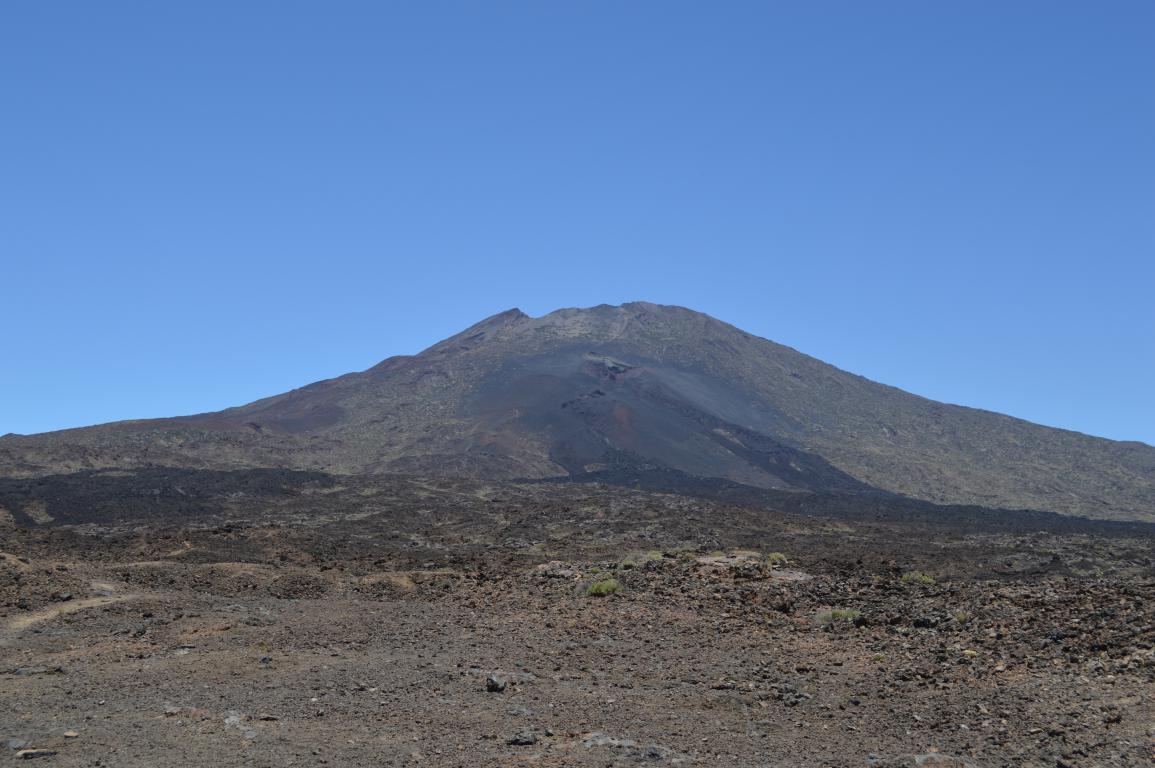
[271, 618]
[615, 393]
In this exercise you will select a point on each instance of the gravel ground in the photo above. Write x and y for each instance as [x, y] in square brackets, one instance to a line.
[427, 638]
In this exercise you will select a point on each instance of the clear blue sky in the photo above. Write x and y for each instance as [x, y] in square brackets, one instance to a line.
[204, 203]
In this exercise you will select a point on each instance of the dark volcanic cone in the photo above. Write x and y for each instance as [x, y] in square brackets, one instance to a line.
[611, 391]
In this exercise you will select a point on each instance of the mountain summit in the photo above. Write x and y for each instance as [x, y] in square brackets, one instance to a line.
[612, 392]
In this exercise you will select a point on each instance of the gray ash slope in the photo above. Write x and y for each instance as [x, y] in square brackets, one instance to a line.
[619, 393]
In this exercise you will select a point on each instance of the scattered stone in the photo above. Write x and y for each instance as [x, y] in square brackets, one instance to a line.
[29, 671]
[927, 760]
[602, 739]
[71, 734]
[523, 738]
[32, 754]
[555, 569]
[494, 684]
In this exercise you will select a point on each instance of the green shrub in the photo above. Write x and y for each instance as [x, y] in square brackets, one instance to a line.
[602, 588]
[838, 614]
[918, 577]
[635, 559]
[776, 560]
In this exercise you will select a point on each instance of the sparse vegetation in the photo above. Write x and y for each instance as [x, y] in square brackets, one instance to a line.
[777, 560]
[918, 577]
[634, 559]
[838, 614]
[603, 588]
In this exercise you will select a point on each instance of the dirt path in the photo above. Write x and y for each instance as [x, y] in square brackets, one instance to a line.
[21, 623]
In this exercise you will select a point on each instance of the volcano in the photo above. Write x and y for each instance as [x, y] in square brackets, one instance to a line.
[623, 395]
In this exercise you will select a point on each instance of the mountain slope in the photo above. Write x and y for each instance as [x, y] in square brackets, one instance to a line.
[585, 390]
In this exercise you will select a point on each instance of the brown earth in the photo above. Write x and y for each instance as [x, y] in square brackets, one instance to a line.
[307, 628]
